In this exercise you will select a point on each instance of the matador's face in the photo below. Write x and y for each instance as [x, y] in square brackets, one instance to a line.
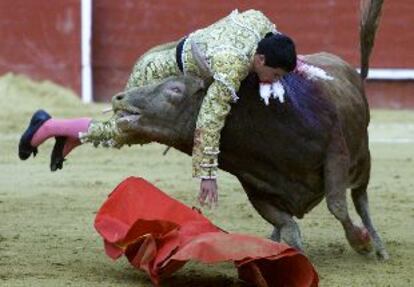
[265, 73]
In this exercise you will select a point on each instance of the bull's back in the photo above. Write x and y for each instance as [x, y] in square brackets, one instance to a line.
[346, 92]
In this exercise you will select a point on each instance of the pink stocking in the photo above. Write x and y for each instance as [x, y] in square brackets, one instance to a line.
[70, 144]
[56, 127]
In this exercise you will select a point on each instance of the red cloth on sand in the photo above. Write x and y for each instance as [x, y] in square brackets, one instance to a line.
[158, 235]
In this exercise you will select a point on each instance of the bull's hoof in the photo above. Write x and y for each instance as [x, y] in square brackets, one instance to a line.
[360, 240]
[25, 147]
[382, 255]
[275, 236]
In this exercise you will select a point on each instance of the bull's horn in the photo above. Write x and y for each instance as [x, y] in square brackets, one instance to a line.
[107, 110]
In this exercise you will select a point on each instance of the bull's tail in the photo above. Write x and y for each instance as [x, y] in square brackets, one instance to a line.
[370, 16]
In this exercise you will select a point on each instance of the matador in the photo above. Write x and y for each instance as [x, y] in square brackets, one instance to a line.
[233, 47]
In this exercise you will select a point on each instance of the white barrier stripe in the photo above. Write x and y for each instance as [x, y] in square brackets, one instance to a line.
[390, 74]
[86, 37]
[392, 141]
[403, 126]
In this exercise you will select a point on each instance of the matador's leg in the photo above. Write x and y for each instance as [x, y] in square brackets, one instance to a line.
[106, 134]
[155, 65]
[42, 127]
[69, 133]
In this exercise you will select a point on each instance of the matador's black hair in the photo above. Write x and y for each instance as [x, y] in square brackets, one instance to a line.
[279, 51]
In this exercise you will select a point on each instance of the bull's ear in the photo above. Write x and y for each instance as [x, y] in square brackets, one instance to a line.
[174, 90]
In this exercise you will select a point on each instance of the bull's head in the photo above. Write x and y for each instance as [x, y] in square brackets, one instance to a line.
[164, 112]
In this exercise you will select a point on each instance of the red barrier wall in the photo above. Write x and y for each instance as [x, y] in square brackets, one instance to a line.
[390, 94]
[123, 30]
[41, 38]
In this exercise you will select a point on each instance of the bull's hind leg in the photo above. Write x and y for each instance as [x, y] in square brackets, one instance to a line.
[285, 227]
[360, 198]
[336, 170]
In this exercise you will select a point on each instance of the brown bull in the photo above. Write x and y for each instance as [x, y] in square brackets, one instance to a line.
[288, 156]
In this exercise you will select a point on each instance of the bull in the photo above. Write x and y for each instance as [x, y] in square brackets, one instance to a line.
[287, 157]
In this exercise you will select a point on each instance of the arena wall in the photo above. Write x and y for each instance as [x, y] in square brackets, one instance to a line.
[41, 38]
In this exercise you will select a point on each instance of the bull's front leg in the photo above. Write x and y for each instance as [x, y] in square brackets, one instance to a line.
[285, 227]
[275, 236]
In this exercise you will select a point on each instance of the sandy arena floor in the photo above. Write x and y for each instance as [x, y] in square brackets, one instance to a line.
[46, 219]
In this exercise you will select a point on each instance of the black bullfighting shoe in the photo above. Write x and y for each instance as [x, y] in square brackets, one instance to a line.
[56, 158]
[37, 120]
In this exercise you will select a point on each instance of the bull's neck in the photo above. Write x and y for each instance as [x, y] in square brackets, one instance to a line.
[179, 137]
[175, 138]
[179, 132]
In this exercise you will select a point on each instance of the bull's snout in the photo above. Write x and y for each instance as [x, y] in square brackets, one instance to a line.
[117, 101]
[118, 97]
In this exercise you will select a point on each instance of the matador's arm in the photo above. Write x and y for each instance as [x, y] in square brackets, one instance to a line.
[228, 69]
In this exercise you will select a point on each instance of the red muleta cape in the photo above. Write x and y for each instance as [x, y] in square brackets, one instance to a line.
[158, 235]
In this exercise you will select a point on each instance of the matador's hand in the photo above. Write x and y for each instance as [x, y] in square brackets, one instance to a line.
[208, 192]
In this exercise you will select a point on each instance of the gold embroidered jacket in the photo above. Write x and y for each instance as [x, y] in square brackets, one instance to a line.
[228, 46]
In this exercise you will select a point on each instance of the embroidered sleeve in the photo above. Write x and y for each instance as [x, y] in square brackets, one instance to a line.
[102, 133]
[229, 69]
[107, 134]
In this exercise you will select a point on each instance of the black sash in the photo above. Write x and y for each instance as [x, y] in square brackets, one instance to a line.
[178, 53]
